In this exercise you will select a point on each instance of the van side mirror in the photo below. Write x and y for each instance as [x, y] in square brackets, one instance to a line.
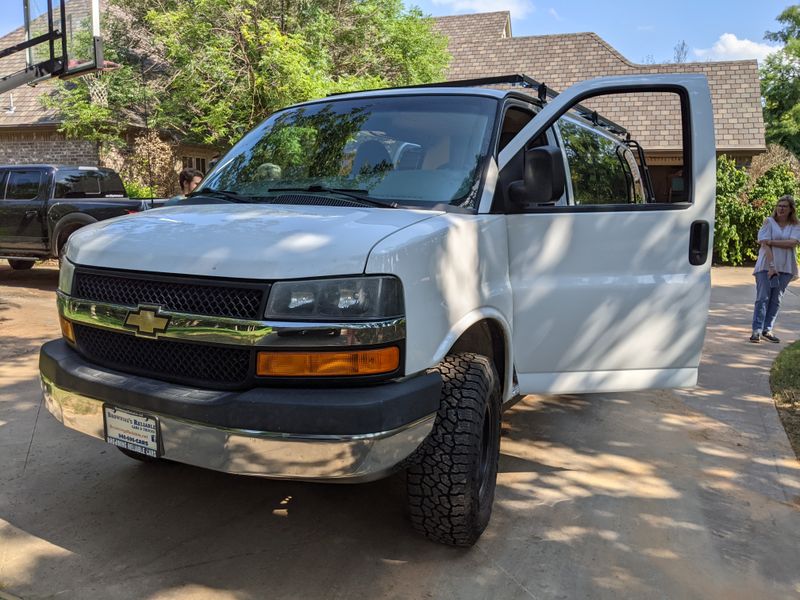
[543, 178]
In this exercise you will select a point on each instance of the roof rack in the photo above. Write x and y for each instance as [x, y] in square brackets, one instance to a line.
[543, 94]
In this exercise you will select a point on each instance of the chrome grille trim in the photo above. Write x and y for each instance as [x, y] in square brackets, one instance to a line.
[239, 332]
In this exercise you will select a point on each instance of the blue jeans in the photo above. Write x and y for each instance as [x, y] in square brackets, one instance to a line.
[768, 300]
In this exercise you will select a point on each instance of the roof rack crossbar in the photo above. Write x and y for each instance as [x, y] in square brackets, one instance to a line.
[543, 93]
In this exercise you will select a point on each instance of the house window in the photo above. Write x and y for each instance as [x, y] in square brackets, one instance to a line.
[194, 162]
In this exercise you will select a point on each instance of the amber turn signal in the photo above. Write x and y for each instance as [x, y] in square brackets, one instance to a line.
[66, 329]
[328, 364]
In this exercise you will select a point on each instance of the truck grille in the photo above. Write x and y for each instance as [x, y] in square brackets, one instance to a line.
[228, 300]
[214, 366]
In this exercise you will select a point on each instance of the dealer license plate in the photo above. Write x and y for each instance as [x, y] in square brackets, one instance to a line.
[131, 430]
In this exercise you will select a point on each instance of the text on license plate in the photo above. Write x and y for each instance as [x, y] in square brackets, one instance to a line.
[132, 431]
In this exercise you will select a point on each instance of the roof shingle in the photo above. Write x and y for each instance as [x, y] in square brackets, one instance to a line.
[564, 59]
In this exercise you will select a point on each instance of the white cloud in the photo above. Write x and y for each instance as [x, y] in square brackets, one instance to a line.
[729, 47]
[645, 27]
[552, 12]
[519, 9]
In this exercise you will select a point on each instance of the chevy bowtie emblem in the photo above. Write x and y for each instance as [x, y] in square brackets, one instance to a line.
[146, 321]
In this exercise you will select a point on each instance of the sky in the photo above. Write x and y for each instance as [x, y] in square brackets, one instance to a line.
[642, 31]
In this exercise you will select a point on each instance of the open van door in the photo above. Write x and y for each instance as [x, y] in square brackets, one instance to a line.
[610, 293]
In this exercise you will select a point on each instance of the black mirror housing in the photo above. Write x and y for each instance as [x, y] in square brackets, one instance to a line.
[543, 178]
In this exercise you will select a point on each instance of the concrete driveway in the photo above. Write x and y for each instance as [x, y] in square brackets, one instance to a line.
[662, 494]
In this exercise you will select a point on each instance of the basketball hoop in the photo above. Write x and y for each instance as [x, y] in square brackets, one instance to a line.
[98, 90]
[98, 86]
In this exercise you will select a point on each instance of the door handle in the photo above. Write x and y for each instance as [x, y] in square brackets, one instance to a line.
[698, 243]
[31, 213]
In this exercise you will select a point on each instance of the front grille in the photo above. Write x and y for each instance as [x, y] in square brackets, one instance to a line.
[164, 359]
[236, 301]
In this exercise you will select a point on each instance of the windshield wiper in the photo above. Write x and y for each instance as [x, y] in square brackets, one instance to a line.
[228, 195]
[359, 195]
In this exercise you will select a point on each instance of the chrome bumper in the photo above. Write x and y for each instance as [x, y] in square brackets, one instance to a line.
[343, 458]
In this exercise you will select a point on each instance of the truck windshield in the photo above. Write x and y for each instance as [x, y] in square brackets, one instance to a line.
[411, 150]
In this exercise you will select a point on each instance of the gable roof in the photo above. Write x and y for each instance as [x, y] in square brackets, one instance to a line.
[490, 25]
[564, 59]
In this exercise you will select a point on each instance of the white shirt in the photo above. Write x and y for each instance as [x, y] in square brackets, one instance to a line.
[785, 258]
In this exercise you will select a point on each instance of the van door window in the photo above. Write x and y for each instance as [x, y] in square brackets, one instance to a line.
[23, 185]
[597, 173]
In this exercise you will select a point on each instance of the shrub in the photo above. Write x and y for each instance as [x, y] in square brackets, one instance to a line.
[138, 190]
[777, 182]
[731, 212]
[743, 202]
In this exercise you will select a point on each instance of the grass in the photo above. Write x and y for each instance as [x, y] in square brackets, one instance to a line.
[784, 380]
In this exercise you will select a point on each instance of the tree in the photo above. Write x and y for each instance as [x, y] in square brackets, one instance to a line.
[680, 52]
[780, 84]
[209, 70]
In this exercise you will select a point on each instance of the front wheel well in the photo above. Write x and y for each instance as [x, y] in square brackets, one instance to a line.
[485, 337]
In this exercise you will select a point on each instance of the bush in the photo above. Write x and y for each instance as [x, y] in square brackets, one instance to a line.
[732, 212]
[777, 182]
[137, 190]
[742, 205]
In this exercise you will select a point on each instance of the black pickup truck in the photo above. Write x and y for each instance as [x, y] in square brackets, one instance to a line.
[41, 205]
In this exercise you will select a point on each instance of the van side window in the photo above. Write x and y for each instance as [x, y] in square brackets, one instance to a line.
[23, 185]
[514, 120]
[598, 174]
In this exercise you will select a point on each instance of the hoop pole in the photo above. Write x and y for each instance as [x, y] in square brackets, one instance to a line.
[64, 55]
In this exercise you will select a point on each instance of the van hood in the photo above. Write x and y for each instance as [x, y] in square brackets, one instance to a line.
[241, 241]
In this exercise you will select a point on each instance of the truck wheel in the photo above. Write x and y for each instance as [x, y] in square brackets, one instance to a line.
[20, 265]
[451, 478]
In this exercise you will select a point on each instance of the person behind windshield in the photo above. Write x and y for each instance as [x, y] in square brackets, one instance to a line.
[776, 266]
[188, 179]
[268, 172]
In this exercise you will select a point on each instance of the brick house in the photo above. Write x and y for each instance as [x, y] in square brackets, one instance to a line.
[482, 46]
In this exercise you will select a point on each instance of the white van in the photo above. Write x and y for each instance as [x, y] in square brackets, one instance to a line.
[406, 265]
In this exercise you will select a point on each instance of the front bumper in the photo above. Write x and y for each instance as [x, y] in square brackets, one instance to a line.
[347, 434]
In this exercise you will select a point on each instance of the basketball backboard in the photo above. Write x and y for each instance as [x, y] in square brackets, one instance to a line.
[60, 38]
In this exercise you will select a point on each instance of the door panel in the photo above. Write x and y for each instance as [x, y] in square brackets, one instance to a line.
[605, 296]
[22, 210]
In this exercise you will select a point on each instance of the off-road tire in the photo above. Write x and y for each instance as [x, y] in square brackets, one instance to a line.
[21, 265]
[451, 478]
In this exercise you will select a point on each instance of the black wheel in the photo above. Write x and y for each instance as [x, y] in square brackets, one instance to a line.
[452, 476]
[20, 265]
[139, 456]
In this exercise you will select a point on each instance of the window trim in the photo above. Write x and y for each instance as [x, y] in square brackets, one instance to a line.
[687, 149]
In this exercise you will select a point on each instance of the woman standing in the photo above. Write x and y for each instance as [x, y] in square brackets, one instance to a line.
[776, 266]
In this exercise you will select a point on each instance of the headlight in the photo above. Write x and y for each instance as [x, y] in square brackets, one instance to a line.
[350, 299]
[65, 274]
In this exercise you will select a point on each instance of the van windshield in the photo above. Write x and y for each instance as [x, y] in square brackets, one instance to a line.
[413, 150]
